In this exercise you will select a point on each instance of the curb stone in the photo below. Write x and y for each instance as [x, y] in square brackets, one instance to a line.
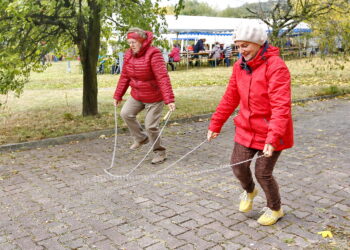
[109, 132]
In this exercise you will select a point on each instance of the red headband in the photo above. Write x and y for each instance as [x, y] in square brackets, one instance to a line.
[134, 35]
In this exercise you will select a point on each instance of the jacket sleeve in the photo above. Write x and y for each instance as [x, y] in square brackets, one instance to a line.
[172, 53]
[161, 74]
[122, 85]
[202, 46]
[279, 91]
[227, 105]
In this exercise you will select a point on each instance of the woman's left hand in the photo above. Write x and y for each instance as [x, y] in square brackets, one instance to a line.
[268, 150]
[171, 106]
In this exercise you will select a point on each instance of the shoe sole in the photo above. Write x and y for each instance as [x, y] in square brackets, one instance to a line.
[155, 163]
[272, 223]
[246, 211]
[142, 143]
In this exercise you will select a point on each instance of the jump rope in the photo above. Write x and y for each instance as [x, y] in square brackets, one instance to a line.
[128, 176]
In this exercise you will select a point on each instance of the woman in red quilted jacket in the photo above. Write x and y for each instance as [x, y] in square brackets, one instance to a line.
[144, 70]
[174, 56]
[260, 85]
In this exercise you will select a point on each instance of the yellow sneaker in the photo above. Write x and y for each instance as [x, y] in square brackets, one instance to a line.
[270, 217]
[246, 203]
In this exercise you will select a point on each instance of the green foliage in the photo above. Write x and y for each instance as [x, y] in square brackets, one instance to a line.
[15, 54]
[331, 90]
[25, 43]
[195, 8]
[131, 13]
[68, 116]
[333, 29]
[242, 11]
[40, 27]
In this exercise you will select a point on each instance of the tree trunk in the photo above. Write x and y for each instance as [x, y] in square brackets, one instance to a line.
[89, 47]
[90, 91]
[274, 38]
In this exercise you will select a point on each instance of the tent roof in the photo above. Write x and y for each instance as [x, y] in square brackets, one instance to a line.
[186, 24]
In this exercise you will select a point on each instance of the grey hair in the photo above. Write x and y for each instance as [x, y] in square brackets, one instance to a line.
[139, 31]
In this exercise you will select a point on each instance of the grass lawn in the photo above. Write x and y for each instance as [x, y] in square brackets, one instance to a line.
[51, 103]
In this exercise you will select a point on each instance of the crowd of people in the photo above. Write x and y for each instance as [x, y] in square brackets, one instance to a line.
[220, 54]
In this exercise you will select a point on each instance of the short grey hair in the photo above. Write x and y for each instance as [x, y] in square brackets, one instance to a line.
[139, 31]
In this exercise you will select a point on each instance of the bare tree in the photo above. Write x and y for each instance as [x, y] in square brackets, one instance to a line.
[285, 15]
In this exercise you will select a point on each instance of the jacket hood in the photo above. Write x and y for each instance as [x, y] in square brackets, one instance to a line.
[262, 55]
[145, 45]
[271, 51]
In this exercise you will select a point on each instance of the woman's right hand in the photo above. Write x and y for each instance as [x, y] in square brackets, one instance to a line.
[117, 102]
[211, 135]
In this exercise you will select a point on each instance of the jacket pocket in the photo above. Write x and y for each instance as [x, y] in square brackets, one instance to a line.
[236, 120]
[260, 125]
[240, 122]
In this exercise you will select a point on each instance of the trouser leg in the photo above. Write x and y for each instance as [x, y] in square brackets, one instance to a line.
[196, 59]
[153, 115]
[263, 172]
[227, 61]
[242, 171]
[128, 113]
[172, 66]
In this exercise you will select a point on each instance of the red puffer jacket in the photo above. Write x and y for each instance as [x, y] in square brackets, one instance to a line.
[147, 75]
[264, 97]
[175, 54]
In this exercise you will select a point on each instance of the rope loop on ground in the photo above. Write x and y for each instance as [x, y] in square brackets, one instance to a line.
[158, 173]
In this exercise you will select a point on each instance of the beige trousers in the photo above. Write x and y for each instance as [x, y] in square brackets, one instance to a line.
[153, 114]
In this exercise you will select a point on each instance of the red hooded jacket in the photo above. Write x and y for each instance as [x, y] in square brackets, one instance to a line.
[175, 54]
[147, 75]
[264, 97]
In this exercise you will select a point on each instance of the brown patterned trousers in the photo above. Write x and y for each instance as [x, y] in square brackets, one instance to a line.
[263, 172]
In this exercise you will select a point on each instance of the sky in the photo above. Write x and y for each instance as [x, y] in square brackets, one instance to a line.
[217, 4]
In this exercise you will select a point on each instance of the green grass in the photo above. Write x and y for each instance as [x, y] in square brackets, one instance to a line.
[51, 103]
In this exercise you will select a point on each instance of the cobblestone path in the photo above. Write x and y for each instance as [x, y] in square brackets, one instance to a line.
[60, 198]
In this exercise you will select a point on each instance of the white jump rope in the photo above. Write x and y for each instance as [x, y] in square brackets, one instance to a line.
[157, 174]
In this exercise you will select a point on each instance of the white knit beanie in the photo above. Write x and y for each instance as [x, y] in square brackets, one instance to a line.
[254, 33]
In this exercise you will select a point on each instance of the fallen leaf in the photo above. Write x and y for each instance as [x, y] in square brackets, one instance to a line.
[326, 234]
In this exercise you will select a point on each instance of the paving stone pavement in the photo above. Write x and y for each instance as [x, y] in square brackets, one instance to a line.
[60, 198]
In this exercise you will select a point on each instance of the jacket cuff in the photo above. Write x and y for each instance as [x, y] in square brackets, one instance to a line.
[169, 101]
[117, 98]
[216, 129]
[273, 141]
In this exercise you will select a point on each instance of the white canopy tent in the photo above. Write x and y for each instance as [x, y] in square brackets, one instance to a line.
[213, 29]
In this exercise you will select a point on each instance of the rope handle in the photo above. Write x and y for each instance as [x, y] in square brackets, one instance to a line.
[166, 118]
[167, 115]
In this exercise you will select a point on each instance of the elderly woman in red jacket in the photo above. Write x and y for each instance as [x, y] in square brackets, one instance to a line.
[174, 56]
[144, 70]
[260, 85]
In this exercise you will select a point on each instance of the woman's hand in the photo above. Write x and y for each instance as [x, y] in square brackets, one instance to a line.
[268, 150]
[211, 135]
[171, 106]
[117, 102]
